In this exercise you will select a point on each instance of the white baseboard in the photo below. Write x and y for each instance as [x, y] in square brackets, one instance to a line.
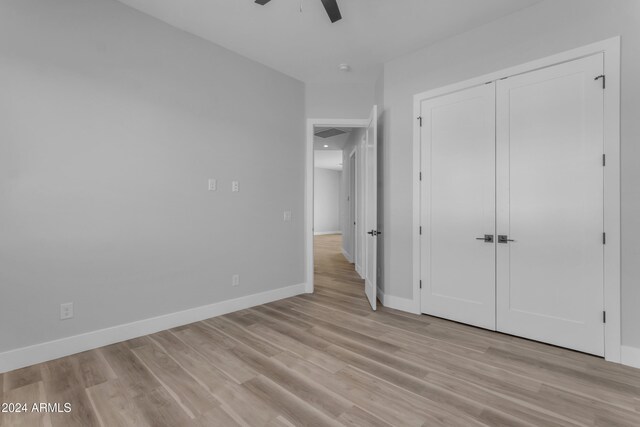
[324, 233]
[397, 303]
[630, 356]
[347, 256]
[359, 271]
[27, 356]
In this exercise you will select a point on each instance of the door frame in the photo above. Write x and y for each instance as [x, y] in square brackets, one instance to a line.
[308, 188]
[612, 282]
[353, 202]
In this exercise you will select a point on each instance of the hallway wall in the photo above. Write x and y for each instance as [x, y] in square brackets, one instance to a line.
[326, 201]
[348, 241]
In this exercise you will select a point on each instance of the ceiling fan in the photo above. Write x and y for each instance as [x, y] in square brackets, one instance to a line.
[331, 6]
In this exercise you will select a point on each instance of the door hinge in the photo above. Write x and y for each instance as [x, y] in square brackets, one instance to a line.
[420, 176]
[420, 120]
[604, 238]
[604, 160]
[604, 317]
[420, 230]
[420, 284]
[604, 80]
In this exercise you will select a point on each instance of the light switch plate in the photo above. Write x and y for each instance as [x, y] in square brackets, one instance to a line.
[66, 311]
[213, 184]
[287, 216]
[235, 186]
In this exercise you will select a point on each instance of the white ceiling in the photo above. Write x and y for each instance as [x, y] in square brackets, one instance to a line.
[328, 159]
[308, 47]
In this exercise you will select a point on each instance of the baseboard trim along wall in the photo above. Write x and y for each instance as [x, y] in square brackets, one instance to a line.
[325, 233]
[630, 356]
[38, 353]
[397, 303]
[347, 256]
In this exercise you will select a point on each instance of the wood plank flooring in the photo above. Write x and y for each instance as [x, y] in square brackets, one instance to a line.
[327, 359]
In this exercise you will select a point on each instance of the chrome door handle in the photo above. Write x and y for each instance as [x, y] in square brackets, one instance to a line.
[488, 238]
[503, 238]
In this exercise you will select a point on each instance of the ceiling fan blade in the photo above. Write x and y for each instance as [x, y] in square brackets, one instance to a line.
[331, 6]
[262, 2]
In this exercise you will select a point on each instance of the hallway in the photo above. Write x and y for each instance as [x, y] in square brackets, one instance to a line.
[333, 272]
[327, 359]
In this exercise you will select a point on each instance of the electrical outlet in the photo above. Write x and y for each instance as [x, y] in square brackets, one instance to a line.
[213, 184]
[66, 311]
[235, 280]
[287, 216]
[235, 186]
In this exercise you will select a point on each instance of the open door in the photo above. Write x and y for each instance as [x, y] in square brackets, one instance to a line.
[371, 207]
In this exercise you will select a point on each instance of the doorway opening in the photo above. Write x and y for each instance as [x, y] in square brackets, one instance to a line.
[337, 202]
[340, 207]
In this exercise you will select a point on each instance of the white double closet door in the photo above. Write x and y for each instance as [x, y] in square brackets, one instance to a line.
[512, 205]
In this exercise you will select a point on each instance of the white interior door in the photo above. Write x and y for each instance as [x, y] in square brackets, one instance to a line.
[371, 207]
[458, 206]
[550, 204]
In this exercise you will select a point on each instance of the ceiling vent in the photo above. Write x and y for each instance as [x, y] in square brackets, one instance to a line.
[328, 133]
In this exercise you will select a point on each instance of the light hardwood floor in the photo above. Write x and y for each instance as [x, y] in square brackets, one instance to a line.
[326, 359]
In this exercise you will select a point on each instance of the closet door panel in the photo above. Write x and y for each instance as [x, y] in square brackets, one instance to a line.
[458, 206]
[550, 203]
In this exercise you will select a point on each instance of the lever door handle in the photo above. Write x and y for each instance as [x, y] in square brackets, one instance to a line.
[488, 238]
[373, 232]
[503, 238]
[370, 232]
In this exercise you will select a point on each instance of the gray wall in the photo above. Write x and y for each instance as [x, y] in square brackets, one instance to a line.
[326, 200]
[338, 100]
[542, 30]
[110, 125]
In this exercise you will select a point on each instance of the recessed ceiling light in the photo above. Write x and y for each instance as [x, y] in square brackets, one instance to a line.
[344, 67]
[326, 146]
